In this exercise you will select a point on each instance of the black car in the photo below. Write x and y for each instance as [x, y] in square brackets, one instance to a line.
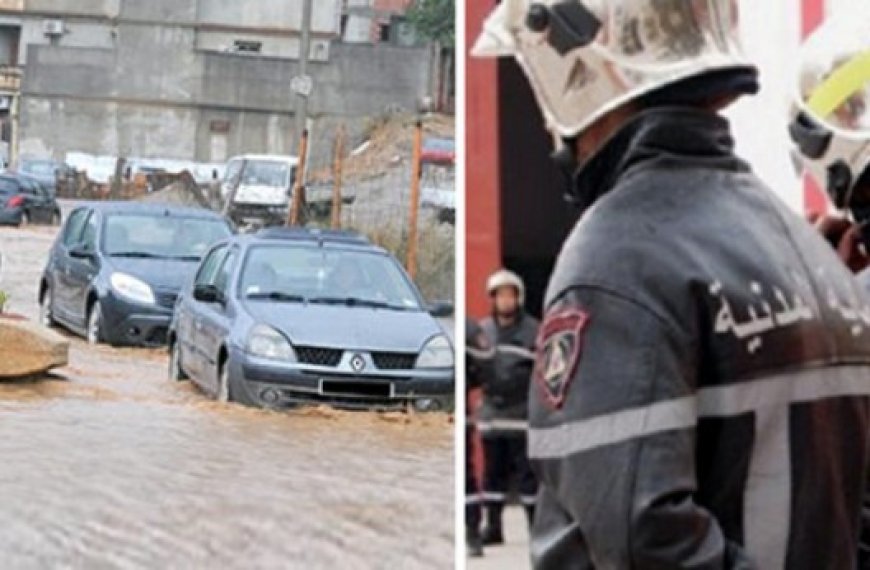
[24, 201]
[44, 171]
[116, 268]
[290, 317]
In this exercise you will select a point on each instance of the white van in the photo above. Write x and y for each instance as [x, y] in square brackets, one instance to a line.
[265, 187]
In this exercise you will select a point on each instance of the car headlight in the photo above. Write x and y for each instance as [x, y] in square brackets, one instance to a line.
[438, 353]
[132, 289]
[266, 342]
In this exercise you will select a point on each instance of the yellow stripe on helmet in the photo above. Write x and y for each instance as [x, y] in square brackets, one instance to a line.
[847, 80]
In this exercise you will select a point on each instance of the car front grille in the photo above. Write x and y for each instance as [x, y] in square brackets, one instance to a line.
[318, 356]
[394, 360]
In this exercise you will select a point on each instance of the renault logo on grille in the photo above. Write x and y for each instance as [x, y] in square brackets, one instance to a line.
[358, 363]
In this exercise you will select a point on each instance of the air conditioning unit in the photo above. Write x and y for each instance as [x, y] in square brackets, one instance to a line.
[53, 27]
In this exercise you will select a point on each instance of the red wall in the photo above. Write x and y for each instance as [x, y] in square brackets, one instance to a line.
[483, 237]
[813, 14]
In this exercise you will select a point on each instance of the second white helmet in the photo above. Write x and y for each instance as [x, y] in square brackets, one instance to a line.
[831, 111]
[506, 278]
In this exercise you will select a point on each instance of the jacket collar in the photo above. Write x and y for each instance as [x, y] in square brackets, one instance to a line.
[664, 137]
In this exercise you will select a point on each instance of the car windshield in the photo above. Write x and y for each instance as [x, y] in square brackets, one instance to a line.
[325, 276]
[169, 237]
[274, 174]
[8, 187]
[39, 168]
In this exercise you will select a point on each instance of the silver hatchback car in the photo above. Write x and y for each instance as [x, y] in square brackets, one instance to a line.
[289, 317]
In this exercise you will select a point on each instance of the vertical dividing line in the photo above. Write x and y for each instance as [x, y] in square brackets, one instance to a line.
[299, 186]
[415, 200]
[338, 179]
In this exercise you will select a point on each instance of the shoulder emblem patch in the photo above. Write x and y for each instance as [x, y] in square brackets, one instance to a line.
[559, 346]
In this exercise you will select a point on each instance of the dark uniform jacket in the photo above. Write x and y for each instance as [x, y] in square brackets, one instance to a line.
[479, 356]
[506, 391]
[700, 398]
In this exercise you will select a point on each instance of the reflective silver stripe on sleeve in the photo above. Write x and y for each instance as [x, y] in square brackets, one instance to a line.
[682, 413]
[577, 437]
[491, 353]
[528, 500]
[492, 497]
[767, 499]
[485, 426]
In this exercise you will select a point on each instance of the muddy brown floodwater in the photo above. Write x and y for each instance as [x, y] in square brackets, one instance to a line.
[107, 464]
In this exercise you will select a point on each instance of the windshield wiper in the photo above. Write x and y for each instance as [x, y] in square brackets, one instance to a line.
[137, 254]
[184, 257]
[355, 302]
[277, 296]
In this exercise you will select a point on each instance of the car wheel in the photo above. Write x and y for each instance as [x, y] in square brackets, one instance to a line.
[230, 391]
[223, 391]
[176, 371]
[46, 312]
[95, 324]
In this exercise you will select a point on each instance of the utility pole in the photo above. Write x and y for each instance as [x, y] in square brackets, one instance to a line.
[416, 173]
[302, 83]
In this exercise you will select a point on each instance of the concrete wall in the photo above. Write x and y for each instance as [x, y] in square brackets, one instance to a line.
[78, 34]
[159, 10]
[106, 8]
[283, 47]
[325, 17]
[156, 97]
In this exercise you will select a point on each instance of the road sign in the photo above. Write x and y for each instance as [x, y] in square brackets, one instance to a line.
[302, 85]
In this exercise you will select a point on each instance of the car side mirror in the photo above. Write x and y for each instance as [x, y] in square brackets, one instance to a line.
[208, 294]
[81, 251]
[442, 309]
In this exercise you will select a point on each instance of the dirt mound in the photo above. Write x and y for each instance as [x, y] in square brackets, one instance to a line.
[27, 349]
[390, 144]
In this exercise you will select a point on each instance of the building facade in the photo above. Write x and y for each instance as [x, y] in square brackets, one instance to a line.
[197, 80]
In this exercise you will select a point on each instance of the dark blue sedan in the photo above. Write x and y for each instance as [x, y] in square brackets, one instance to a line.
[116, 268]
[295, 316]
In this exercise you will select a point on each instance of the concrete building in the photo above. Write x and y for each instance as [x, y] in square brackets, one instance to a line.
[378, 21]
[198, 80]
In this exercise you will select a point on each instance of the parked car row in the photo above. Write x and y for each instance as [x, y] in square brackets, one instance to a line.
[23, 201]
[277, 318]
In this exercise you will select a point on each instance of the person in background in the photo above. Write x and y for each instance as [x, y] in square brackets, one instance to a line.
[830, 126]
[701, 393]
[478, 368]
[502, 419]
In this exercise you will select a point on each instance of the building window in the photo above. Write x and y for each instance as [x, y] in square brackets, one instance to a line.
[247, 46]
[384, 33]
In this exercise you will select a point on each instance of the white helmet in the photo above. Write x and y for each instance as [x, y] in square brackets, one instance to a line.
[585, 58]
[831, 111]
[506, 278]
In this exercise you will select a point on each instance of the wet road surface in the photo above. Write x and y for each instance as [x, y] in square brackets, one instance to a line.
[107, 464]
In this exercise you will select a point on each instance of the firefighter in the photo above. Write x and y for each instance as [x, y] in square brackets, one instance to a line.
[502, 419]
[478, 366]
[830, 125]
[701, 396]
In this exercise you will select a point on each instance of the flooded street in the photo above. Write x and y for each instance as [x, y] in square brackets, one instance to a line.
[107, 464]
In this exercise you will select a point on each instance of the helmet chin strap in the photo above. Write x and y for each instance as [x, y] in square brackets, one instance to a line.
[566, 160]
